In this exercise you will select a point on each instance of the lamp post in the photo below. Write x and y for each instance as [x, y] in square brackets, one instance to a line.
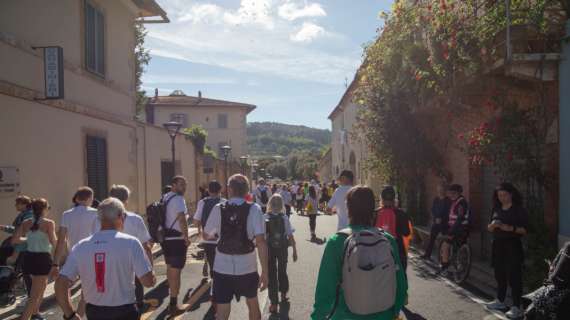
[243, 162]
[226, 152]
[173, 128]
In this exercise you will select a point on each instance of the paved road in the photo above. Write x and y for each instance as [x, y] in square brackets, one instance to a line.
[430, 297]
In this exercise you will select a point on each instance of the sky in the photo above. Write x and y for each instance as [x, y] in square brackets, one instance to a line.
[290, 58]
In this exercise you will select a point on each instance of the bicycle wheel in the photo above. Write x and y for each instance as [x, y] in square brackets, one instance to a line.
[462, 264]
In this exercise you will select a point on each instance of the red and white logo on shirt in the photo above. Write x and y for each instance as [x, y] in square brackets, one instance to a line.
[100, 271]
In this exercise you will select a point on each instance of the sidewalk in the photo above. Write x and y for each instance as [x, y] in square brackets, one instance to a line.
[49, 295]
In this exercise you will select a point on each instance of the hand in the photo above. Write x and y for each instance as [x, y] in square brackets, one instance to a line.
[187, 241]
[506, 228]
[54, 272]
[263, 281]
[295, 257]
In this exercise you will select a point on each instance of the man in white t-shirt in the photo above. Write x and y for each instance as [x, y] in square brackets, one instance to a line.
[76, 224]
[107, 264]
[175, 245]
[235, 266]
[262, 194]
[338, 199]
[134, 225]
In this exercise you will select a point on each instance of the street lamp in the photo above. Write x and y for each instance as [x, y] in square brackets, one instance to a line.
[173, 128]
[226, 152]
[243, 162]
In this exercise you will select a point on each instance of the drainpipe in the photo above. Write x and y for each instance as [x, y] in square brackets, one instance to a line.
[564, 140]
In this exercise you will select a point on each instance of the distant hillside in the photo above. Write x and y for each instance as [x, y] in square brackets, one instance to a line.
[271, 138]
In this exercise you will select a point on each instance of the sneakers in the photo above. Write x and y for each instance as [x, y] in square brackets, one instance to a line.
[514, 313]
[496, 305]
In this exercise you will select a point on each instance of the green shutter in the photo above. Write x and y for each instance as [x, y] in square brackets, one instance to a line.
[97, 166]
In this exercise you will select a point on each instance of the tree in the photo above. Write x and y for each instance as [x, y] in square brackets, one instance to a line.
[278, 170]
[197, 134]
[142, 58]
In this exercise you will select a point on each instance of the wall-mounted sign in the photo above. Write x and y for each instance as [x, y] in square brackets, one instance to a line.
[9, 181]
[53, 72]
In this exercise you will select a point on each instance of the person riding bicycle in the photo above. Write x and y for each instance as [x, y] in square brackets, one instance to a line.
[458, 223]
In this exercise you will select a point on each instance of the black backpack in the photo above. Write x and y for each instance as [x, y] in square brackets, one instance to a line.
[276, 233]
[209, 204]
[234, 239]
[264, 197]
[156, 218]
[560, 268]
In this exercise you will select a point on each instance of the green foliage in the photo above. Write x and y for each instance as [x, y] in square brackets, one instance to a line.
[278, 170]
[268, 138]
[197, 134]
[209, 152]
[142, 58]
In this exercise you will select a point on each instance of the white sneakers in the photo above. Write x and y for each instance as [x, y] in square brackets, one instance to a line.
[496, 305]
[515, 313]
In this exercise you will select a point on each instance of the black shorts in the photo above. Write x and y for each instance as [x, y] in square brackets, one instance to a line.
[227, 286]
[174, 253]
[37, 263]
[126, 312]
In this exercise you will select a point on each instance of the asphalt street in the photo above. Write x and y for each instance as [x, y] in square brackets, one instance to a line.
[430, 297]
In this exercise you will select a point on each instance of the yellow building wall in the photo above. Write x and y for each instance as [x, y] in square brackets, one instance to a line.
[207, 117]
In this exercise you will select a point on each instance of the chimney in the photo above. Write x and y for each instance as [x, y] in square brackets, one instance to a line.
[155, 93]
[199, 94]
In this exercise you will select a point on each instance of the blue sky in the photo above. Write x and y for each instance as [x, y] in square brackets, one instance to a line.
[291, 58]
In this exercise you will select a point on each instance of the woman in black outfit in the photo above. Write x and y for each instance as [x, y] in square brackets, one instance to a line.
[509, 223]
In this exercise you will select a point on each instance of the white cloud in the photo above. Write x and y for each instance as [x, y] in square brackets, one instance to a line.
[308, 32]
[202, 13]
[292, 11]
[191, 79]
[251, 38]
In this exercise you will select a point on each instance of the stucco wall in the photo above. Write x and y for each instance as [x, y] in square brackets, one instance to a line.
[235, 135]
[60, 23]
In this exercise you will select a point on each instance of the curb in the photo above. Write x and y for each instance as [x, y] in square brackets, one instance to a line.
[49, 295]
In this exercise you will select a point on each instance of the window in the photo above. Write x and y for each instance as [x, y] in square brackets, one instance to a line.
[180, 118]
[222, 121]
[94, 39]
[97, 166]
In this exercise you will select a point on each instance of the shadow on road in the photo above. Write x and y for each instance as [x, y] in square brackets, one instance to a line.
[410, 315]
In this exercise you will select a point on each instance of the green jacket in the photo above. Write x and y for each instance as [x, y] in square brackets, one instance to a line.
[330, 273]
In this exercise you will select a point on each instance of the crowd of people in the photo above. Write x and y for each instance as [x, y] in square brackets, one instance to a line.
[109, 249]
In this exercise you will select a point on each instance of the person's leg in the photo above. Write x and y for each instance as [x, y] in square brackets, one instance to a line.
[312, 223]
[432, 237]
[173, 277]
[210, 257]
[445, 247]
[253, 308]
[39, 284]
[501, 278]
[282, 273]
[515, 280]
[272, 273]
[223, 311]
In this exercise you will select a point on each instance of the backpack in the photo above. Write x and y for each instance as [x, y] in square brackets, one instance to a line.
[156, 218]
[209, 204]
[264, 197]
[276, 233]
[386, 220]
[368, 272]
[234, 239]
[559, 274]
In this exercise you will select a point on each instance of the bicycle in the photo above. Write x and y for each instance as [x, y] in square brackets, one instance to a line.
[460, 258]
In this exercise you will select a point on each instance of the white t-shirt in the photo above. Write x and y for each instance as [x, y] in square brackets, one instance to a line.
[338, 201]
[198, 216]
[289, 230]
[294, 189]
[175, 206]
[286, 195]
[80, 223]
[107, 263]
[236, 264]
[134, 226]
[257, 194]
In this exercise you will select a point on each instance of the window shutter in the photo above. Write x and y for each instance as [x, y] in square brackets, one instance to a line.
[222, 121]
[100, 42]
[97, 166]
[89, 36]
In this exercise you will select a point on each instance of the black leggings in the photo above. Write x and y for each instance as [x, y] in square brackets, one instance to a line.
[278, 279]
[508, 260]
[313, 222]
